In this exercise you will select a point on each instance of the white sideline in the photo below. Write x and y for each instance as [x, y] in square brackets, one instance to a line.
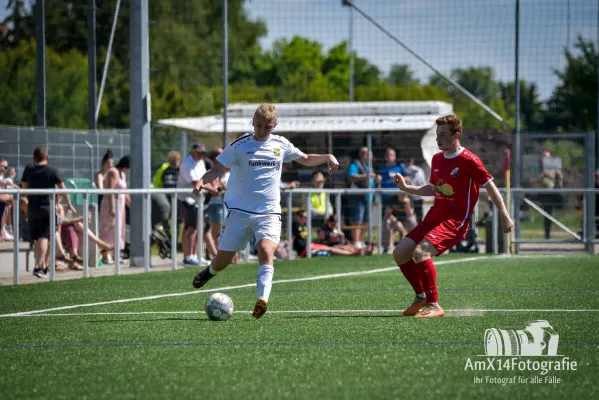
[456, 310]
[311, 278]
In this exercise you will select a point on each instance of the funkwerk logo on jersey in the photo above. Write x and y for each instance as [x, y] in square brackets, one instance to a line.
[265, 163]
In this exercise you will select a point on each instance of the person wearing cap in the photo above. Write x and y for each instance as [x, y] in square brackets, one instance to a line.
[321, 206]
[192, 168]
[115, 178]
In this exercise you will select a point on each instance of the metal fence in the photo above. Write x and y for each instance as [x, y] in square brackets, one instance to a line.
[585, 220]
[78, 153]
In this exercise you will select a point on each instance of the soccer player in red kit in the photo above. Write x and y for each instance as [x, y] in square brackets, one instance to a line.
[456, 176]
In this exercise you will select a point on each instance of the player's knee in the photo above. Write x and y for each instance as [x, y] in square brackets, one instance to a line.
[422, 252]
[401, 254]
[266, 251]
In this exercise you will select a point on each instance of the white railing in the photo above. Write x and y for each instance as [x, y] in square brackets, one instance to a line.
[146, 228]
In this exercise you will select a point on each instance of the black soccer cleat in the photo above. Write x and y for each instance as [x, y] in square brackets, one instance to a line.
[202, 278]
[260, 308]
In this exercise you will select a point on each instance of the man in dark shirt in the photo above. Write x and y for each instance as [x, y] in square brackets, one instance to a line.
[300, 232]
[40, 175]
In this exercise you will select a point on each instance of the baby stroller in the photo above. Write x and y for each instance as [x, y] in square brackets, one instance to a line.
[160, 234]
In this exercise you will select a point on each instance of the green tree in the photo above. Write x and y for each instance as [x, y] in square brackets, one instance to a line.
[532, 109]
[365, 73]
[66, 82]
[185, 51]
[401, 74]
[336, 66]
[16, 22]
[479, 81]
[573, 104]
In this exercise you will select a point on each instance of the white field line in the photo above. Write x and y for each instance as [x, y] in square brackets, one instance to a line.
[220, 289]
[457, 310]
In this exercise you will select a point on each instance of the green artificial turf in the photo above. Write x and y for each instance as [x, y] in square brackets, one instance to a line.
[306, 346]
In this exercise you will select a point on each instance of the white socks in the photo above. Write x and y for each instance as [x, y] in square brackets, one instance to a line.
[264, 281]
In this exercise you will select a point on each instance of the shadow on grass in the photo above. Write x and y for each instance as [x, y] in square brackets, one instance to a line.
[147, 320]
[344, 316]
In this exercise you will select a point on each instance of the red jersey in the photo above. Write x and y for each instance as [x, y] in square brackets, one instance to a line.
[457, 179]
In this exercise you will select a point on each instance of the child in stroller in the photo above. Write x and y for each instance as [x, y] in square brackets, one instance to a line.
[160, 234]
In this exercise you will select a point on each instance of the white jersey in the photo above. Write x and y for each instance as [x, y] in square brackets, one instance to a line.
[254, 183]
[189, 171]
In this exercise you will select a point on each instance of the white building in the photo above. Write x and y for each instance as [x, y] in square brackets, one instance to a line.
[334, 127]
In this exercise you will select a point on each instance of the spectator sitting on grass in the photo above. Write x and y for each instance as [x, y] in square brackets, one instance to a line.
[71, 233]
[330, 235]
[6, 200]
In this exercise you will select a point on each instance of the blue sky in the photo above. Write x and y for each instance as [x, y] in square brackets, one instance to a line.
[448, 33]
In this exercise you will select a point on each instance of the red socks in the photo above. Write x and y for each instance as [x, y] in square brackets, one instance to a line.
[428, 275]
[411, 271]
[422, 276]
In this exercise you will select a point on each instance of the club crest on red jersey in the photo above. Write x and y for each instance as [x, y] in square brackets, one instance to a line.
[454, 172]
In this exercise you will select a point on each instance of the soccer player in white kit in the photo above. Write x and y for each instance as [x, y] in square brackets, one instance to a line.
[253, 197]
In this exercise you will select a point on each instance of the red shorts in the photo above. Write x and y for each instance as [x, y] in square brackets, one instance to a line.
[443, 234]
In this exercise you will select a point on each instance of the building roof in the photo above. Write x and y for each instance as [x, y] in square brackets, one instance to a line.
[326, 117]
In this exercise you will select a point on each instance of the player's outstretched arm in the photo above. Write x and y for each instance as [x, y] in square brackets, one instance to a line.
[426, 190]
[506, 222]
[204, 183]
[313, 160]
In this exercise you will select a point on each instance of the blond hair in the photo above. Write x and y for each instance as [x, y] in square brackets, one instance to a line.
[455, 124]
[174, 157]
[266, 111]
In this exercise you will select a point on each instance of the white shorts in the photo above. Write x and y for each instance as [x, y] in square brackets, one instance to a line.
[238, 227]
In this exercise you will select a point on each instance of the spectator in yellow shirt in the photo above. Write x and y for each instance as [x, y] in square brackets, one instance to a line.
[321, 205]
[168, 173]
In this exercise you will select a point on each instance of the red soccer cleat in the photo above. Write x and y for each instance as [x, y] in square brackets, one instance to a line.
[413, 309]
[431, 311]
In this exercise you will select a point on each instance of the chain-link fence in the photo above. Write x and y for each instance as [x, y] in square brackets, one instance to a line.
[78, 153]
[551, 166]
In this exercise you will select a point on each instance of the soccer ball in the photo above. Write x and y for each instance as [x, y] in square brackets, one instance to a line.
[218, 307]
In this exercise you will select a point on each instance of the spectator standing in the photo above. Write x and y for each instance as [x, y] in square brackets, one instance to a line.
[115, 178]
[40, 175]
[389, 169]
[550, 177]
[417, 178]
[321, 205]
[107, 163]
[168, 174]
[192, 169]
[359, 176]
[216, 206]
